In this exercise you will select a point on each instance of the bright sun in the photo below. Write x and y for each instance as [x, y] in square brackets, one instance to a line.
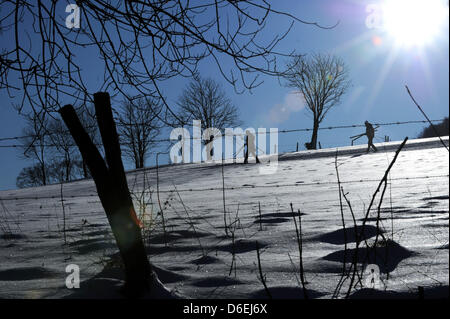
[414, 22]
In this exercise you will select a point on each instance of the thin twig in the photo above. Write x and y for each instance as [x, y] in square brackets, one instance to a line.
[159, 200]
[298, 231]
[361, 234]
[342, 214]
[190, 221]
[262, 277]
[434, 128]
[223, 199]
[260, 217]
[64, 215]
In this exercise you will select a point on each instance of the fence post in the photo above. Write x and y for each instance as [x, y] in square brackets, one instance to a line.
[112, 188]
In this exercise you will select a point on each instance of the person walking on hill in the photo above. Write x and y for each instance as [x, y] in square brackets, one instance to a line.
[250, 146]
[370, 132]
[209, 144]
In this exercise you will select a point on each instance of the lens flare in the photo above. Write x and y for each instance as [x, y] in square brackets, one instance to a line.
[414, 22]
[377, 41]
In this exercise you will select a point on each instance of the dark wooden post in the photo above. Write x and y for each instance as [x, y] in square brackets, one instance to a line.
[112, 189]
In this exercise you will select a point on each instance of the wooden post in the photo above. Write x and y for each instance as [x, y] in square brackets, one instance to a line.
[112, 189]
[223, 199]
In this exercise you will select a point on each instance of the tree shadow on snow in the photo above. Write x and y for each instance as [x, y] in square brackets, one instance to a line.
[109, 282]
[387, 255]
[26, 273]
[216, 281]
[241, 246]
[337, 237]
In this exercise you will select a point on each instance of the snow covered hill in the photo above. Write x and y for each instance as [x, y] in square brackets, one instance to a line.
[197, 256]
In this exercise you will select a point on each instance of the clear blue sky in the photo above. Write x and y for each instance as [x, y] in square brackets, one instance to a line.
[379, 69]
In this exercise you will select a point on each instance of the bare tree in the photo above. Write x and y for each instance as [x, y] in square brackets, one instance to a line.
[322, 80]
[139, 128]
[35, 145]
[58, 170]
[30, 176]
[48, 142]
[205, 100]
[67, 153]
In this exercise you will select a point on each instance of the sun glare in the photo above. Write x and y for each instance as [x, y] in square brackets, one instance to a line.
[414, 22]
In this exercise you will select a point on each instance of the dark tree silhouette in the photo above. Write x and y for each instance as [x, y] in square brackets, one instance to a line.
[442, 129]
[205, 100]
[139, 128]
[322, 80]
[55, 172]
[31, 176]
[48, 143]
[67, 154]
[35, 147]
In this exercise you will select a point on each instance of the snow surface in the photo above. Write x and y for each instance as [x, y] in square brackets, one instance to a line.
[197, 260]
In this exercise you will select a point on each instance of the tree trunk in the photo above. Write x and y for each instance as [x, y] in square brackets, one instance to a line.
[113, 192]
[313, 143]
[141, 161]
[44, 174]
[136, 163]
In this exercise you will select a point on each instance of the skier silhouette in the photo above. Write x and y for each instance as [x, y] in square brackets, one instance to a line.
[250, 146]
[370, 132]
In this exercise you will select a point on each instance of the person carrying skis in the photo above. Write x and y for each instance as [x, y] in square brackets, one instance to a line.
[370, 132]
